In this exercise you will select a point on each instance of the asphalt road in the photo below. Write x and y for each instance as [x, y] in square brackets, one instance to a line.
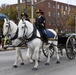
[66, 67]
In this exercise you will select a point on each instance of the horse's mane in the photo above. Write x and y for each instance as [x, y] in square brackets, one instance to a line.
[12, 22]
[27, 22]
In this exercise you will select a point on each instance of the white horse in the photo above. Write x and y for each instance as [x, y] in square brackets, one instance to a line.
[10, 29]
[27, 31]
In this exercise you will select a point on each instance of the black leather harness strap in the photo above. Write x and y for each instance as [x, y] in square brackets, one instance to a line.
[16, 35]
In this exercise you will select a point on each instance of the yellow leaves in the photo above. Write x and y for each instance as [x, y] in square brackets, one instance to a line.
[71, 21]
[62, 10]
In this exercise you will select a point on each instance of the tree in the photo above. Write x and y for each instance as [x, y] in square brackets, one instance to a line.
[71, 19]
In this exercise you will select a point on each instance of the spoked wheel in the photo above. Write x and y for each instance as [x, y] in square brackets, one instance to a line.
[45, 52]
[71, 47]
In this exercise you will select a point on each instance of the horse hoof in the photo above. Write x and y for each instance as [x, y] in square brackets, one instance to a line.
[5, 48]
[38, 60]
[15, 66]
[33, 60]
[34, 68]
[22, 64]
[46, 63]
[57, 62]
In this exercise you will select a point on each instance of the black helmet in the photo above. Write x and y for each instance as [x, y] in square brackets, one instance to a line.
[24, 14]
[39, 11]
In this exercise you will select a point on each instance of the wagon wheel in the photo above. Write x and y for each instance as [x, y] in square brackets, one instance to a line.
[45, 52]
[71, 47]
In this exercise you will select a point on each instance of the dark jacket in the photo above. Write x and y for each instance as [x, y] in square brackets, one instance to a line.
[40, 22]
[27, 19]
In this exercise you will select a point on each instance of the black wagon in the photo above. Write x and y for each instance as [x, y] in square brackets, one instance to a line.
[66, 42]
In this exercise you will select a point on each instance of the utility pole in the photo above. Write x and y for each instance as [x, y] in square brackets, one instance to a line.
[18, 9]
[26, 4]
[57, 30]
[25, 8]
[75, 23]
[32, 8]
[32, 11]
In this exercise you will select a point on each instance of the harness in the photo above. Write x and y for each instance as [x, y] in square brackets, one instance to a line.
[16, 35]
[33, 33]
[24, 39]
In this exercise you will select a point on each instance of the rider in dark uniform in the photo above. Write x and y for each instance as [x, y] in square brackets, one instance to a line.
[25, 16]
[40, 24]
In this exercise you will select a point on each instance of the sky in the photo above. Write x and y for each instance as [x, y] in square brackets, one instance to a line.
[73, 2]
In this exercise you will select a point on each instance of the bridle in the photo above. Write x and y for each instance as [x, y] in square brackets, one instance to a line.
[8, 34]
[9, 29]
[27, 36]
[26, 31]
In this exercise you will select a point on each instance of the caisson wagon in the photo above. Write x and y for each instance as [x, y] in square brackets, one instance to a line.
[67, 42]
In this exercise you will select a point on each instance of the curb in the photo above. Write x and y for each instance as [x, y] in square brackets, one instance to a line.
[9, 49]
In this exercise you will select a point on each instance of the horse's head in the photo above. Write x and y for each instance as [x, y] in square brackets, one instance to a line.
[22, 28]
[25, 28]
[6, 26]
[9, 27]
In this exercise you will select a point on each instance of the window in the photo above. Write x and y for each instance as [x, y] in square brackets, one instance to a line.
[49, 22]
[62, 7]
[49, 5]
[66, 8]
[49, 14]
[58, 14]
[58, 6]
[64, 12]
[54, 14]
[54, 23]
[53, 6]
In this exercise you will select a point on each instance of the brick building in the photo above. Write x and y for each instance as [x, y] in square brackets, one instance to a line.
[55, 13]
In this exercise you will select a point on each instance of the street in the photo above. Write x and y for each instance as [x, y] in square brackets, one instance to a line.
[7, 58]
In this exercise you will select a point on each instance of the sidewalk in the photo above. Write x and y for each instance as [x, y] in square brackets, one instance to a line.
[10, 48]
[2, 49]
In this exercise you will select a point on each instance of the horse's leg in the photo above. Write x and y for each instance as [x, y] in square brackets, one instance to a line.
[30, 53]
[20, 55]
[57, 54]
[36, 56]
[17, 56]
[48, 59]
[39, 56]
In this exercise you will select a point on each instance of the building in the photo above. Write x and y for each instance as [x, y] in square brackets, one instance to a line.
[26, 0]
[56, 14]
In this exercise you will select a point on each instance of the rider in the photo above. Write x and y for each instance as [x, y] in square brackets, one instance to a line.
[40, 24]
[25, 16]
